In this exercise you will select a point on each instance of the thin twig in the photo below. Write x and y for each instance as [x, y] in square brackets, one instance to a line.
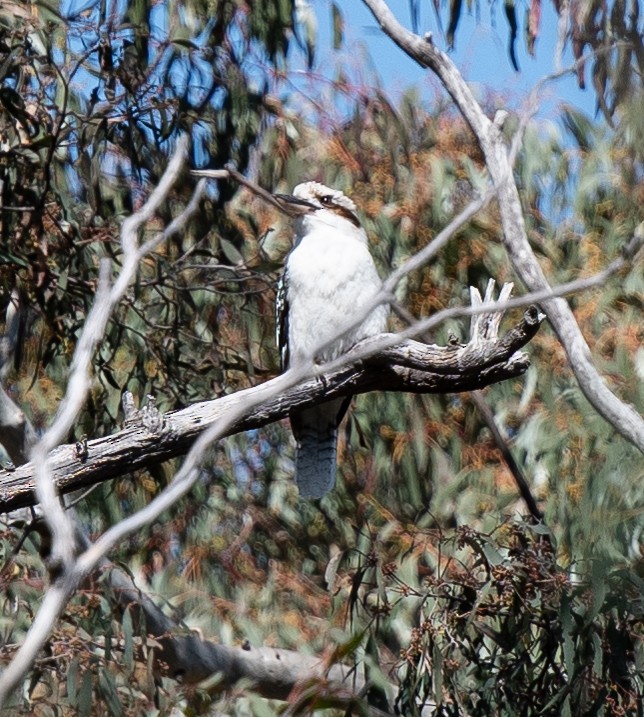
[501, 443]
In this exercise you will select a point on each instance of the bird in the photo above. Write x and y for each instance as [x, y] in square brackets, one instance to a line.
[329, 276]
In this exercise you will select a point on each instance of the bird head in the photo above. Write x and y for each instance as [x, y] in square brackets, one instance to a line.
[315, 201]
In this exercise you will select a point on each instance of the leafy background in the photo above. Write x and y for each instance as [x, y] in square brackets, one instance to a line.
[420, 563]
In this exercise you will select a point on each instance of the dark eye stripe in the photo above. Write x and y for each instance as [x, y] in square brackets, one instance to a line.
[328, 201]
[346, 213]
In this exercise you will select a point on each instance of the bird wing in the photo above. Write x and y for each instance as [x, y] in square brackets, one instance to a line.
[315, 429]
[281, 322]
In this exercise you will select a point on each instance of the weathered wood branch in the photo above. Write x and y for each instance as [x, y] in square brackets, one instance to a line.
[149, 438]
[186, 656]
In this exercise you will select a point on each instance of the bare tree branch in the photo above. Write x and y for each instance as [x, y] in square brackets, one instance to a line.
[273, 672]
[622, 416]
[406, 366]
[64, 568]
[230, 173]
[9, 340]
[390, 362]
[501, 443]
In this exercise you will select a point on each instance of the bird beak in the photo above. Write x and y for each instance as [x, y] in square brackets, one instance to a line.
[294, 206]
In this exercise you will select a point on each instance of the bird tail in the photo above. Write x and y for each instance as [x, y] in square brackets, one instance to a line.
[316, 431]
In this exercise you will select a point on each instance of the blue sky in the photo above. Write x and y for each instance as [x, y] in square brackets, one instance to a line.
[480, 52]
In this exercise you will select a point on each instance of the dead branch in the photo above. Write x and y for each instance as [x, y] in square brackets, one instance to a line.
[63, 567]
[150, 438]
[186, 656]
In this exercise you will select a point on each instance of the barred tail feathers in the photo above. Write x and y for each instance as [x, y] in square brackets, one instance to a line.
[315, 464]
[316, 431]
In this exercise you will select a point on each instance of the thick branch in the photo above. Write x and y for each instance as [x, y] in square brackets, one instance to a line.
[273, 672]
[410, 366]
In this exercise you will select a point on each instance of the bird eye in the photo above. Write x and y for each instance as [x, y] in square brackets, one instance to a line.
[326, 200]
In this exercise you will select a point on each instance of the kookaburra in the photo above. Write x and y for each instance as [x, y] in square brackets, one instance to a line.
[329, 277]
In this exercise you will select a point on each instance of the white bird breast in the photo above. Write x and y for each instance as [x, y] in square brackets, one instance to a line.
[331, 278]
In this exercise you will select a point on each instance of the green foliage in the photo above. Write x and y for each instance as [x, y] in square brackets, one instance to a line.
[605, 36]
[404, 566]
[503, 630]
[91, 106]
[95, 663]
